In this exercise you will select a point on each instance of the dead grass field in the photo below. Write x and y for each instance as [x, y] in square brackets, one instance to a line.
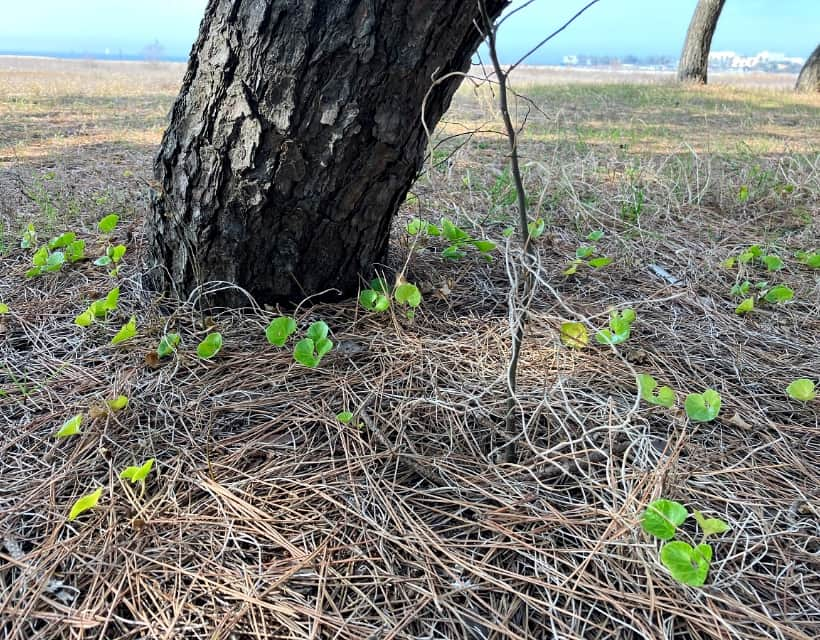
[265, 517]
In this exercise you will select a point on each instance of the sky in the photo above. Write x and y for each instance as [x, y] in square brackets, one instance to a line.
[611, 27]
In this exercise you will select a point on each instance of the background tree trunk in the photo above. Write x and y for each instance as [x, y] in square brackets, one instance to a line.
[809, 78]
[295, 137]
[694, 59]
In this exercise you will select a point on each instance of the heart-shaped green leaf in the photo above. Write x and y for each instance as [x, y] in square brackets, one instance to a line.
[773, 263]
[780, 293]
[84, 504]
[597, 263]
[710, 526]
[168, 344]
[702, 407]
[117, 404]
[744, 307]
[107, 224]
[574, 334]
[801, 389]
[4, 308]
[85, 318]
[687, 565]
[584, 251]
[663, 517]
[414, 226]
[484, 246]
[452, 232]
[595, 236]
[71, 427]
[453, 253]
[408, 294]
[126, 332]
[40, 257]
[318, 331]
[210, 346]
[373, 300]
[304, 353]
[61, 241]
[344, 417]
[138, 474]
[55, 261]
[75, 251]
[103, 261]
[664, 396]
[116, 253]
[279, 330]
[536, 228]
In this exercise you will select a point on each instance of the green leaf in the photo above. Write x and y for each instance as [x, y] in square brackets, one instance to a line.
[801, 389]
[138, 474]
[84, 504]
[117, 404]
[453, 233]
[75, 251]
[116, 253]
[595, 236]
[780, 293]
[743, 193]
[344, 417]
[744, 307]
[126, 332]
[279, 330]
[34, 272]
[40, 257]
[572, 269]
[62, 240]
[484, 246]
[665, 397]
[318, 331]
[433, 230]
[750, 254]
[103, 261]
[702, 407]
[710, 526]
[740, 289]
[597, 263]
[408, 294]
[584, 251]
[4, 308]
[168, 344]
[85, 318]
[210, 346]
[452, 253]
[536, 228]
[687, 565]
[380, 285]
[508, 231]
[304, 353]
[809, 258]
[574, 334]
[322, 346]
[29, 238]
[107, 224]
[373, 300]
[663, 517]
[729, 263]
[71, 427]
[773, 263]
[111, 299]
[414, 226]
[55, 261]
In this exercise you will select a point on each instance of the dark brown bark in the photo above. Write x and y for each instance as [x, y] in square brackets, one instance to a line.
[809, 79]
[295, 137]
[694, 59]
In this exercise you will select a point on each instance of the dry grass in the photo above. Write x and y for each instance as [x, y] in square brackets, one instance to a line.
[267, 518]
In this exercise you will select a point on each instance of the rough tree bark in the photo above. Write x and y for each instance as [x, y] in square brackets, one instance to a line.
[296, 136]
[694, 59]
[809, 78]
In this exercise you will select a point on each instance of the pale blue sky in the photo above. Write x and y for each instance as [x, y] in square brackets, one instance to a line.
[614, 27]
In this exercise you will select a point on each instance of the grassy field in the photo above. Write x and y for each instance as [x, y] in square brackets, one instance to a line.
[265, 517]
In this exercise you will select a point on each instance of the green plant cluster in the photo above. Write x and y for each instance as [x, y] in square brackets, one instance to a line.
[308, 351]
[379, 297]
[459, 240]
[588, 255]
[687, 564]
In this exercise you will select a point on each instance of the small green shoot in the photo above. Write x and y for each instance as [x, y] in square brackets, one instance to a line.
[710, 526]
[279, 330]
[687, 564]
[663, 517]
[138, 473]
[168, 344]
[620, 326]
[84, 504]
[744, 307]
[801, 389]
[29, 239]
[310, 350]
[772, 262]
[408, 294]
[117, 404]
[809, 258]
[107, 224]
[4, 308]
[210, 346]
[71, 427]
[112, 255]
[586, 254]
[780, 293]
[126, 332]
[702, 407]
[664, 396]
[344, 416]
[536, 228]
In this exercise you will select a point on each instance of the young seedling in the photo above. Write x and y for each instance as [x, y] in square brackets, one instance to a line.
[309, 351]
[664, 396]
[620, 327]
[809, 258]
[128, 331]
[346, 417]
[71, 427]
[168, 344]
[586, 254]
[84, 504]
[687, 564]
[117, 404]
[4, 308]
[702, 407]
[210, 346]
[29, 238]
[801, 389]
[98, 308]
[108, 223]
[279, 330]
[574, 334]
[378, 297]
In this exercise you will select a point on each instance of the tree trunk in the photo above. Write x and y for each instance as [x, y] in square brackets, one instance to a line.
[296, 136]
[809, 78]
[694, 59]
